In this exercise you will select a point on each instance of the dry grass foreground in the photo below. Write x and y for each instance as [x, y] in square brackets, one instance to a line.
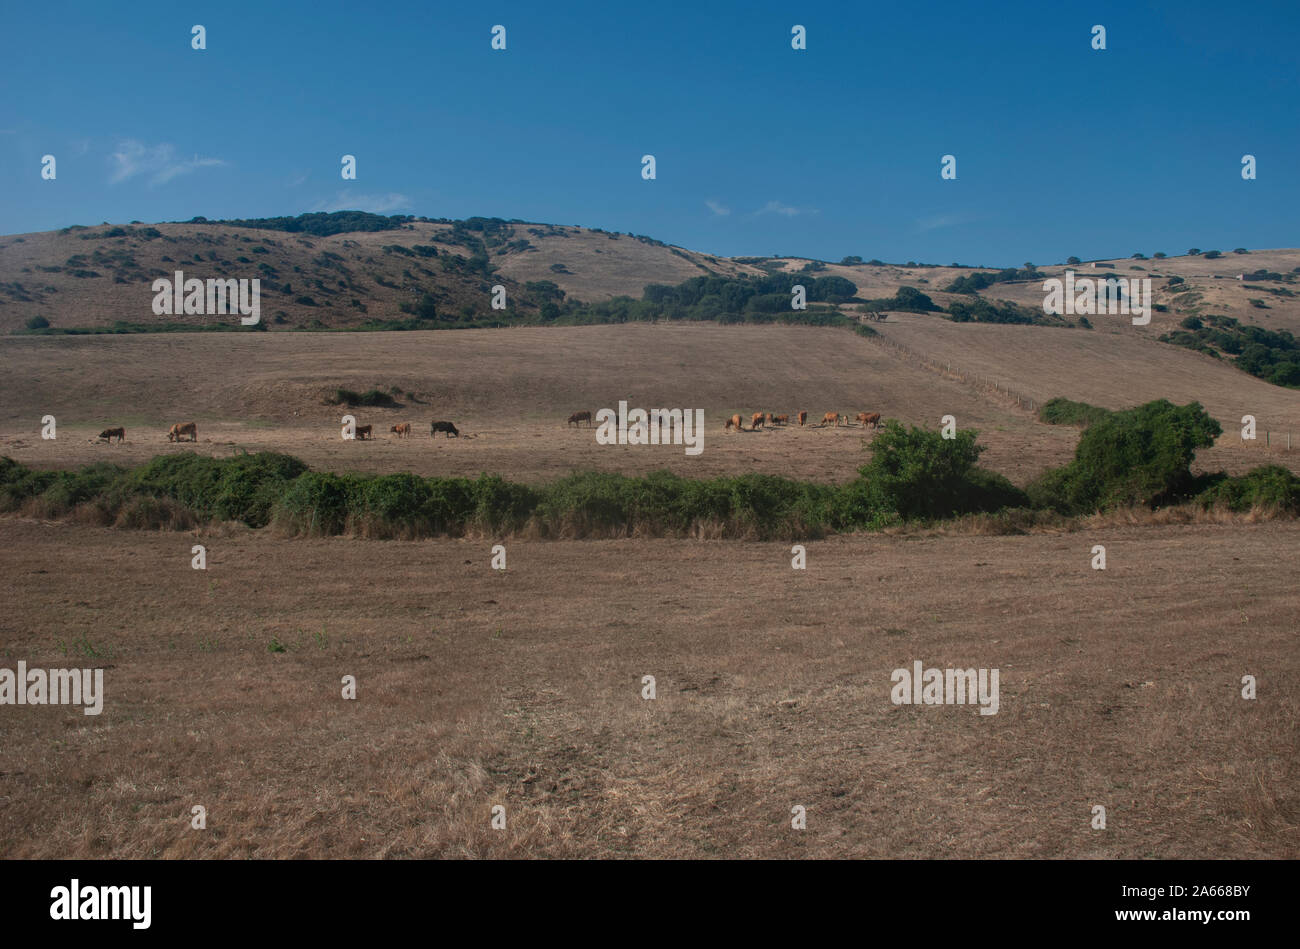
[512, 390]
[523, 688]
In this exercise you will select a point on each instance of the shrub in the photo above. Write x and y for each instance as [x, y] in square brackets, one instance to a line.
[1061, 411]
[1270, 487]
[1139, 456]
[372, 398]
[921, 475]
[37, 323]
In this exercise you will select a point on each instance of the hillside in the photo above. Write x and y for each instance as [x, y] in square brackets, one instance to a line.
[510, 391]
[97, 276]
[92, 277]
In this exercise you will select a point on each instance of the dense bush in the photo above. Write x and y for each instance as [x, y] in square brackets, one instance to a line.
[371, 398]
[1140, 456]
[920, 474]
[907, 299]
[1271, 355]
[973, 283]
[980, 310]
[1060, 411]
[1270, 487]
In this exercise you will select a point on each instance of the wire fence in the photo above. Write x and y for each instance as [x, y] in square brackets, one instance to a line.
[988, 385]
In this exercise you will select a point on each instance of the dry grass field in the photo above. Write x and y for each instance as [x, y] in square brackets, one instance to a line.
[523, 688]
[511, 390]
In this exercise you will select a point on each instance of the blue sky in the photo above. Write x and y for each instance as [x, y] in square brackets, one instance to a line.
[760, 149]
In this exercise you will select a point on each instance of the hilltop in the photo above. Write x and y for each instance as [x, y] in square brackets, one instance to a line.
[355, 270]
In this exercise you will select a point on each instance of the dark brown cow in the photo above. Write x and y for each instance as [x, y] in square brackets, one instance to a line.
[869, 418]
[782, 420]
[803, 417]
[831, 418]
[578, 417]
[733, 422]
[184, 428]
[443, 427]
[110, 432]
[364, 432]
[403, 430]
[756, 421]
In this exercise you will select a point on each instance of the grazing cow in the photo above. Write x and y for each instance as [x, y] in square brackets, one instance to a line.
[110, 432]
[403, 430]
[578, 417]
[733, 422]
[364, 432]
[443, 427]
[756, 421]
[768, 419]
[869, 418]
[803, 417]
[831, 418]
[782, 420]
[185, 428]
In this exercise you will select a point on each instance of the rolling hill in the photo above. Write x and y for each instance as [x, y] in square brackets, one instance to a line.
[318, 277]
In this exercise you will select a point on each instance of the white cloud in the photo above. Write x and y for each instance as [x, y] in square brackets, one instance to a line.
[776, 207]
[158, 162]
[717, 208]
[938, 221]
[374, 203]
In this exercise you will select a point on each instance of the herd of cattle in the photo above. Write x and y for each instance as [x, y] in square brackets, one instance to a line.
[767, 419]
[760, 419]
[188, 431]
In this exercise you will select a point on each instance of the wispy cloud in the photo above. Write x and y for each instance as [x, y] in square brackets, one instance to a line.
[937, 222]
[776, 207]
[158, 163]
[374, 203]
[717, 208]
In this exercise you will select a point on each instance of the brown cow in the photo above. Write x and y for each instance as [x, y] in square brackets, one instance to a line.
[110, 432]
[755, 421]
[831, 418]
[364, 432]
[578, 417]
[782, 420]
[803, 417]
[733, 422]
[403, 430]
[869, 418]
[184, 428]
